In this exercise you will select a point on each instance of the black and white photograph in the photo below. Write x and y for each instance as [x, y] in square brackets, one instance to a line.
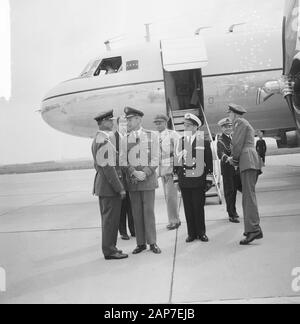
[150, 154]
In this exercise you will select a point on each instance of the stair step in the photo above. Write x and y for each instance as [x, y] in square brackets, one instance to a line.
[181, 113]
[179, 128]
[178, 118]
[179, 121]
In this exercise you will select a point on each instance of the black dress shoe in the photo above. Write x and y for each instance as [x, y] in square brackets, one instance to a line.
[140, 249]
[155, 249]
[172, 227]
[203, 238]
[234, 220]
[125, 237]
[178, 225]
[252, 237]
[190, 239]
[116, 256]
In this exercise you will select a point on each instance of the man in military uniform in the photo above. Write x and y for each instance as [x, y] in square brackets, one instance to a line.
[168, 140]
[108, 186]
[140, 162]
[228, 171]
[245, 156]
[192, 176]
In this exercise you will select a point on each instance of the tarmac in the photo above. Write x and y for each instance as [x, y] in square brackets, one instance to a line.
[50, 247]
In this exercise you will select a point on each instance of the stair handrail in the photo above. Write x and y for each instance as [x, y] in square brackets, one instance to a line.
[170, 113]
[216, 175]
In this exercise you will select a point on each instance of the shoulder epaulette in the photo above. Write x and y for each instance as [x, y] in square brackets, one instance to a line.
[101, 138]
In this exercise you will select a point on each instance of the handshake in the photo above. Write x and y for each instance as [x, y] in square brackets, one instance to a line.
[230, 161]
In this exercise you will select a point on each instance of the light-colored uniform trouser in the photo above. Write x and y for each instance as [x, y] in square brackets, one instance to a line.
[251, 214]
[171, 197]
[143, 203]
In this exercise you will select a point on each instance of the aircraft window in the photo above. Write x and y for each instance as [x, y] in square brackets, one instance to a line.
[132, 65]
[109, 66]
[90, 68]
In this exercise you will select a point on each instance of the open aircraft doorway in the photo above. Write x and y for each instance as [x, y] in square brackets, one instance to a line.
[183, 60]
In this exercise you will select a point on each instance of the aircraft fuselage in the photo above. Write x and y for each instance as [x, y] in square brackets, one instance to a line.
[238, 64]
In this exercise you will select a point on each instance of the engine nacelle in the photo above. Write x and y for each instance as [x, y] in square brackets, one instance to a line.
[289, 139]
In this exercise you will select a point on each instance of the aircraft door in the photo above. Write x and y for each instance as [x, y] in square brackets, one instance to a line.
[183, 60]
[184, 54]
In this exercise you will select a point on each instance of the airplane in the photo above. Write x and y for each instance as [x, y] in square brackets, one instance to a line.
[175, 76]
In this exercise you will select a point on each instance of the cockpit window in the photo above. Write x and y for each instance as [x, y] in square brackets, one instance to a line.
[90, 69]
[102, 67]
[109, 66]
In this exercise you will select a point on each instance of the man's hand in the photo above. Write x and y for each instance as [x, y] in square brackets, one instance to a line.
[123, 195]
[230, 161]
[140, 175]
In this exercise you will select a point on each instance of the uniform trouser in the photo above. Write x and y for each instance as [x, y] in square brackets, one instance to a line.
[251, 215]
[126, 213]
[171, 196]
[230, 192]
[110, 214]
[194, 201]
[143, 203]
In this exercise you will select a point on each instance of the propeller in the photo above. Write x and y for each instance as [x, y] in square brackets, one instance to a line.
[289, 84]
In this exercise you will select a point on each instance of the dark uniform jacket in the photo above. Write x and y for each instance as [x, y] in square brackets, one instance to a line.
[224, 152]
[150, 142]
[108, 180]
[261, 147]
[186, 182]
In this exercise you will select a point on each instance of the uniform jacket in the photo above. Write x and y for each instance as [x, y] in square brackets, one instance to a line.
[136, 141]
[224, 152]
[195, 182]
[167, 144]
[243, 146]
[108, 180]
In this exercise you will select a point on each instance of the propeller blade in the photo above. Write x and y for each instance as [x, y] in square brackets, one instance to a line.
[290, 34]
[290, 102]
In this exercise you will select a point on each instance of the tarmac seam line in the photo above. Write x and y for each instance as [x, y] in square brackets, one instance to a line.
[29, 206]
[52, 230]
[278, 190]
[173, 270]
[100, 227]
[241, 299]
